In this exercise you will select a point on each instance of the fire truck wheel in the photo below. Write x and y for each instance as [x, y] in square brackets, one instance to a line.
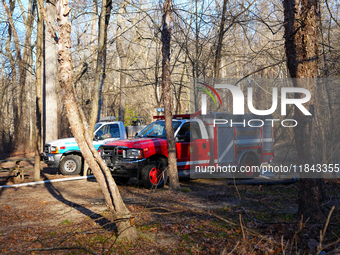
[153, 175]
[122, 180]
[249, 161]
[70, 165]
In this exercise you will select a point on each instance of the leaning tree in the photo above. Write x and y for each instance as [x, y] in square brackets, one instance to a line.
[80, 127]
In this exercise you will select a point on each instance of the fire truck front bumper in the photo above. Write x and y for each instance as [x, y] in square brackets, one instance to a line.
[125, 167]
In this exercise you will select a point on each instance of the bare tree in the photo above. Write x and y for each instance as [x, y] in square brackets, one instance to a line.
[101, 62]
[50, 75]
[38, 89]
[22, 55]
[123, 60]
[167, 91]
[301, 43]
[223, 29]
[80, 130]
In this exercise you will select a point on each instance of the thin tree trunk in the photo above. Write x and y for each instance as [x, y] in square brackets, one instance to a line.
[123, 61]
[166, 37]
[103, 77]
[157, 93]
[301, 43]
[13, 71]
[93, 30]
[178, 99]
[218, 56]
[80, 129]
[30, 82]
[101, 61]
[93, 47]
[28, 18]
[38, 104]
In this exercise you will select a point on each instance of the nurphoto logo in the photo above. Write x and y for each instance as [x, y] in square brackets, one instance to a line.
[238, 99]
[238, 103]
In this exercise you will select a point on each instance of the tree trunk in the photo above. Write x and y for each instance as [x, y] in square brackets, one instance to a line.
[103, 76]
[166, 37]
[301, 44]
[50, 63]
[22, 64]
[101, 62]
[93, 31]
[80, 129]
[123, 61]
[38, 104]
[181, 85]
[13, 70]
[218, 56]
[93, 46]
[28, 18]
[158, 95]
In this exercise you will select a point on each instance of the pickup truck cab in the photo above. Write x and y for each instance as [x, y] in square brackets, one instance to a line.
[65, 153]
[198, 143]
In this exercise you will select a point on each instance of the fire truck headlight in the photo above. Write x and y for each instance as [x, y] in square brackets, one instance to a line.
[134, 153]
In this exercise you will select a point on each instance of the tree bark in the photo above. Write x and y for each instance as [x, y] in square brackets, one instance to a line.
[301, 44]
[50, 63]
[123, 61]
[38, 100]
[181, 85]
[166, 37]
[158, 95]
[218, 56]
[13, 69]
[101, 62]
[28, 18]
[93, 31]
[80, 129]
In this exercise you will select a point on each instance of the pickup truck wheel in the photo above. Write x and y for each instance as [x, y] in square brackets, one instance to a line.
[70, 165]
[153, 175]
[121, 180]
[249, 160]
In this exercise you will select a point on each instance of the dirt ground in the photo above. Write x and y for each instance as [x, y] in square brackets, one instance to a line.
[207, 216]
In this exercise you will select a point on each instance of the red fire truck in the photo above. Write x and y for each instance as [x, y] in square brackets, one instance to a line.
[205, 144]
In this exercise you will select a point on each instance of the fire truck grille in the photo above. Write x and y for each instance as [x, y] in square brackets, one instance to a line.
[111, 154]
[111, 151]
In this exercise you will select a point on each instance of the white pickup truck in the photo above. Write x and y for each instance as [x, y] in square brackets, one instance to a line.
[65, 153]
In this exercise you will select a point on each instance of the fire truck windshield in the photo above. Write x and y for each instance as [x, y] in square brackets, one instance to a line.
[157, 129]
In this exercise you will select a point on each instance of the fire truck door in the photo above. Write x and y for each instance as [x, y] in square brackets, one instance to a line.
[192, 150]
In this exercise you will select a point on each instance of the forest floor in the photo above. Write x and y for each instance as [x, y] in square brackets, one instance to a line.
[208, 216]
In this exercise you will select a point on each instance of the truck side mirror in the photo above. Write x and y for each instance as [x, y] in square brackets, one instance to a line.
[95, 138]
[136, 134]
